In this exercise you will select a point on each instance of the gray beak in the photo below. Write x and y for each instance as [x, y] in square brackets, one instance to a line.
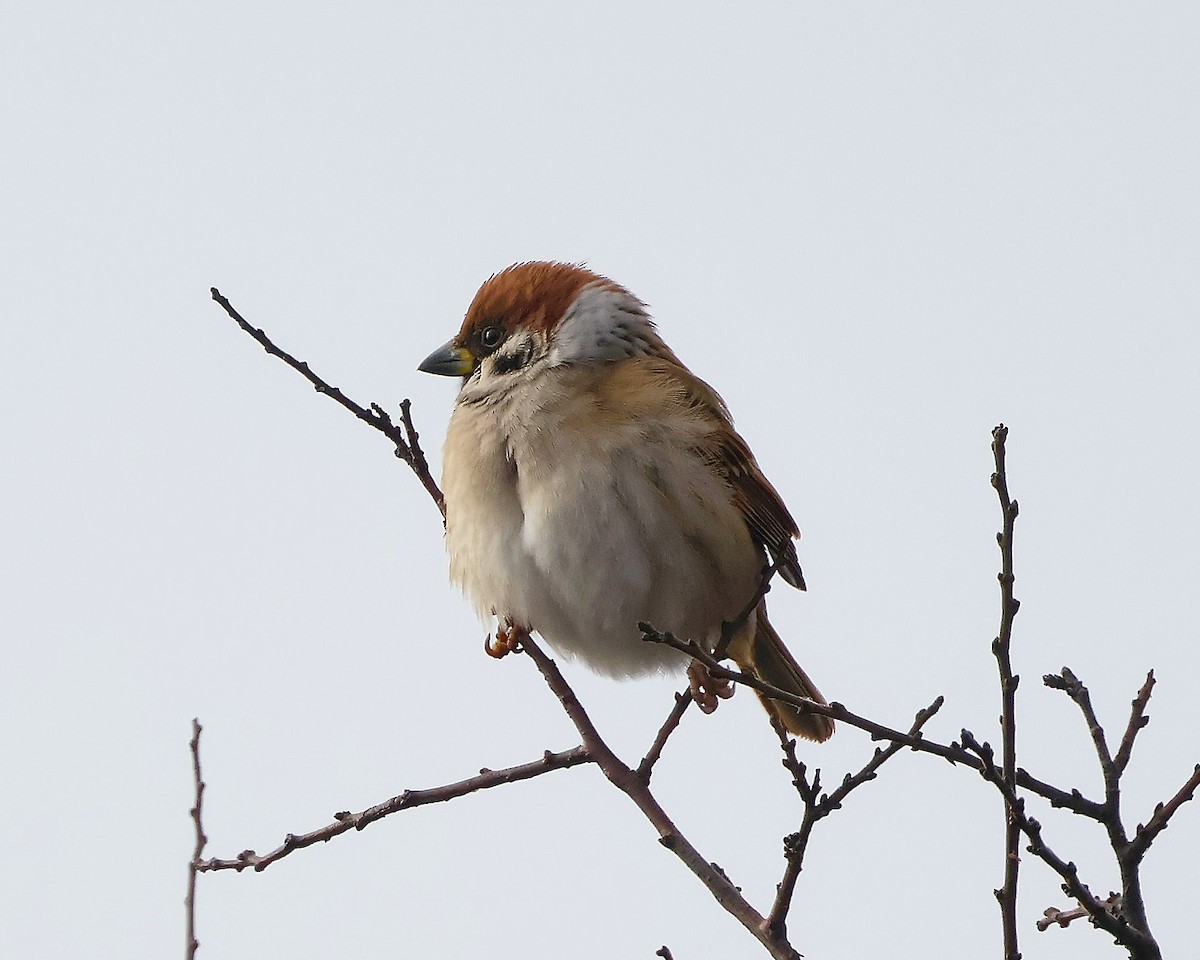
[449, 360]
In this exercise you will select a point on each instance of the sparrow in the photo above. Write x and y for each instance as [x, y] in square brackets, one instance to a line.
[593, 482]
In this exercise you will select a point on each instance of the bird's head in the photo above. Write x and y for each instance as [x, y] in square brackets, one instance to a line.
[533, 317]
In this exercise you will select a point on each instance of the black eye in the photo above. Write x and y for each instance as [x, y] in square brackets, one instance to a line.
[491, 336]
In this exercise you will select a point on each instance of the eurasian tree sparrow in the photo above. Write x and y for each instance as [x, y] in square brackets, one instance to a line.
[592, 482]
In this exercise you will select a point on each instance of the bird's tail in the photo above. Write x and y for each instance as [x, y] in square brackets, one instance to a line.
[766, 658]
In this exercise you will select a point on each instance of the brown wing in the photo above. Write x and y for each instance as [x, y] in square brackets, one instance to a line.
[768, 519]
[761, 505]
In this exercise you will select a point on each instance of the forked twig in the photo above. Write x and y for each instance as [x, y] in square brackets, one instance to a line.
[1140, 943]
[403, 438]
[817, 806]
[1071, 800]
[630, 783]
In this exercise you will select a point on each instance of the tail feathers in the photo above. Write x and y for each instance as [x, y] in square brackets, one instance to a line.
[770, 661]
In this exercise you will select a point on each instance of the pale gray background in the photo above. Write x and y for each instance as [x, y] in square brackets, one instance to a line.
[877, 229]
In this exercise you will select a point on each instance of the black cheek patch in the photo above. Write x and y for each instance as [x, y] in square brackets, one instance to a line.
[508, 362]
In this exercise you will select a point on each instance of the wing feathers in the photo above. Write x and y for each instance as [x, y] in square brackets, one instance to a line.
[722, 448]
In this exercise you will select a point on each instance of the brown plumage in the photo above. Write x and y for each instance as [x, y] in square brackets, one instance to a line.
[592, 481]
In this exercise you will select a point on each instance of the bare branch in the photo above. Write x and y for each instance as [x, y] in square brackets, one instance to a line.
[1133, 906]
[1006, 896]
[1074, 688]
[1071, 800]
[1052, 916]
[416, 460]
[682, 700]
[1139, 942]
[345, 821]
[646, 767]
[405, 440]
[730, 629]
[795, 845]
[633, 786]
[1144, 835]
[1137, 720]
[197, 813]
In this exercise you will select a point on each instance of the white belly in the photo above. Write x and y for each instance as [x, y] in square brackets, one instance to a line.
[580, 538]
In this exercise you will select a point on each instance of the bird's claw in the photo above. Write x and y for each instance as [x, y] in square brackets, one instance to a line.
[508, 640]
[706, 689]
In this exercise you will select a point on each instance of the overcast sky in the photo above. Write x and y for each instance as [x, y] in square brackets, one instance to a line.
[878, 230]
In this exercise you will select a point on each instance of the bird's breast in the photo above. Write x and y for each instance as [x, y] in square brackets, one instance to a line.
[580, 526]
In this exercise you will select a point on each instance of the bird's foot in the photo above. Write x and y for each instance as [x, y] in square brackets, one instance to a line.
[508, 639]
[706, 689]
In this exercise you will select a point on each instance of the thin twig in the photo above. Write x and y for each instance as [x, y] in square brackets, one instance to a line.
[1144, 835]
[417, 459]
[404, 440]
[796, 844]
[729, 630]
[345, 821]
[1053, 917]
[1137, 720]
[197, 812]
[682, 701]
[1071, 800]
[1133, 906]
[1071, 685]
[1006, 896]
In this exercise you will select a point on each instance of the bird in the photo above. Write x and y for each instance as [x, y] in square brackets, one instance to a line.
[592, 482]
